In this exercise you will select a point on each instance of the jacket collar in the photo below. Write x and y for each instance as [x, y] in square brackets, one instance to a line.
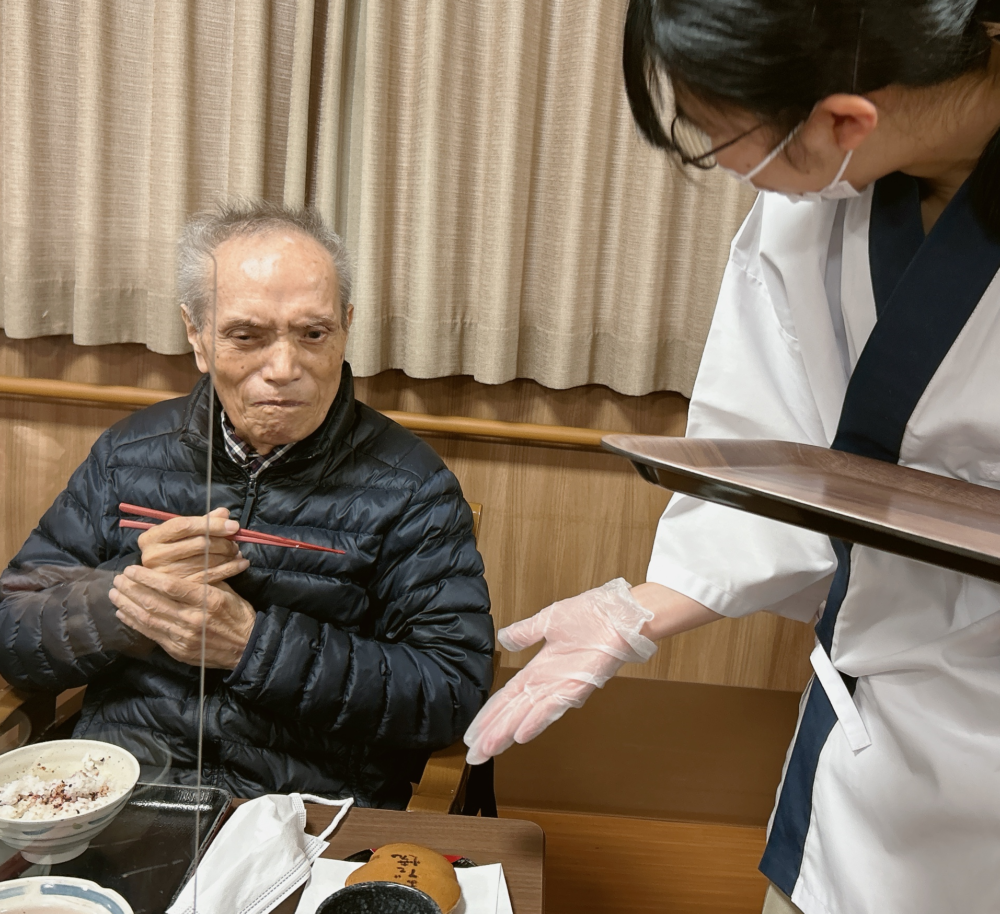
[321, 442]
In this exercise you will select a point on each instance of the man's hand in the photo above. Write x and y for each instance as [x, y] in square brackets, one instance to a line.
[177, 547]
[168, 610]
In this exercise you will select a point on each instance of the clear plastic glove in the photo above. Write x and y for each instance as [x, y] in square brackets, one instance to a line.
[587, 640]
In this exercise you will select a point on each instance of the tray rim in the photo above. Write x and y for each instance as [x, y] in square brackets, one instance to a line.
[687, 472]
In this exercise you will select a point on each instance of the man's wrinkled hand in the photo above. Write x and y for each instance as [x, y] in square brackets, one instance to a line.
[170, 611]
[177, 547]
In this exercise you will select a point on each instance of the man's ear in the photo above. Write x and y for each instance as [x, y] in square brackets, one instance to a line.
[194, 338]
[350, 317]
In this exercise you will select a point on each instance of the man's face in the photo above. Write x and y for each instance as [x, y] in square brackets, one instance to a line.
[279, 339]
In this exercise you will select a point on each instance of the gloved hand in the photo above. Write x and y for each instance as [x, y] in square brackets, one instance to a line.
[587, 640]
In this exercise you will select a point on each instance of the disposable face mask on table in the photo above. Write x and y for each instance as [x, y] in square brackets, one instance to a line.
[484, 889]
[259, 858]
[837, 189]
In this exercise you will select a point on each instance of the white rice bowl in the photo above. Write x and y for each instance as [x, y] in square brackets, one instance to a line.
[65, 834]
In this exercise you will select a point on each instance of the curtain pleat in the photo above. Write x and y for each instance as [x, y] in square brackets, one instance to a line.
[117, 120]
[506, 217]
[479, 157]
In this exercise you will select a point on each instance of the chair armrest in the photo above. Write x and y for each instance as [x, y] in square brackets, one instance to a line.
[15, 726]
[10, 701]
[68, 704]
[26, 717]
[443, 781]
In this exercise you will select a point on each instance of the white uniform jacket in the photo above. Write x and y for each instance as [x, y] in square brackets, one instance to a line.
[839, 325]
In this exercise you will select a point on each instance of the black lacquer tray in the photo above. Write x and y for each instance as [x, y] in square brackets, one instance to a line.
[147, 853]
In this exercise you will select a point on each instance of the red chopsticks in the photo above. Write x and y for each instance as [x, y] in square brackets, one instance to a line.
[256, 537]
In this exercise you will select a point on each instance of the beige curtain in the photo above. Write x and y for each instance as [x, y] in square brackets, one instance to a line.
[479, 157]
[117, 119]
[507, 219]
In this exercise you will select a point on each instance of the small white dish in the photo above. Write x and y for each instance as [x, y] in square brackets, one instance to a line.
[59, 895]
[66, 835]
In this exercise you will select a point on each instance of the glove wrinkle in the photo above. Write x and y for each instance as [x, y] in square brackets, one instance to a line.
[588, 638]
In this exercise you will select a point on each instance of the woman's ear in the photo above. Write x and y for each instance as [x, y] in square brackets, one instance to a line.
[194, 338]
[845, 121]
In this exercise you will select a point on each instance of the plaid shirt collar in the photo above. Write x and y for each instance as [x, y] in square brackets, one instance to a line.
[243, 454]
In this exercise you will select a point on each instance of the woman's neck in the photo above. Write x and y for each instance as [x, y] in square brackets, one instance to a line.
[938, 134]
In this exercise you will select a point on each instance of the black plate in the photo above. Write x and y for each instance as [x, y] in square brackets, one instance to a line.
[378, 898]
[147, 852]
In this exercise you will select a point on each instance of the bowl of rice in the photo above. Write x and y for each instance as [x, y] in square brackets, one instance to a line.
[56, 797]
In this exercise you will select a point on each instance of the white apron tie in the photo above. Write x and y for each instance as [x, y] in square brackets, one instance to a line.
[843, 703]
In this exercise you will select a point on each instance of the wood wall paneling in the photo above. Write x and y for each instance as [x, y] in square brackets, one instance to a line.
[127, 364]
[618, 865]
[654, 796]
[555, 522]
[655, 749]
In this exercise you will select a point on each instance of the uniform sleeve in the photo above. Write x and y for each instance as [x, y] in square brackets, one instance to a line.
[752, 383]
[426, 672]
[57, 624]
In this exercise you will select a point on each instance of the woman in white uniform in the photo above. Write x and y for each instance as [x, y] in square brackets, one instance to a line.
[860, 310]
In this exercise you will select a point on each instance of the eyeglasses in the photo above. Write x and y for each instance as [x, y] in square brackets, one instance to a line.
[694, 146]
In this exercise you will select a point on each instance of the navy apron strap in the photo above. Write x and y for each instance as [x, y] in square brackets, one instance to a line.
[926, 289]
[895, 234]
[922, 318]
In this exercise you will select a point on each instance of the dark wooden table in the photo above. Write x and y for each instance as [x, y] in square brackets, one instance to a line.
[517, 844]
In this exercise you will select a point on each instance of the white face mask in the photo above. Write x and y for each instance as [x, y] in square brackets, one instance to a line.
[259, 858]
[837, 189]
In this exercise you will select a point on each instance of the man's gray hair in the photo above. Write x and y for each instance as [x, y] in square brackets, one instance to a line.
[244, 218]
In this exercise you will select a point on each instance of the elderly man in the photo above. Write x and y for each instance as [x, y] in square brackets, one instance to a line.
[327, 673]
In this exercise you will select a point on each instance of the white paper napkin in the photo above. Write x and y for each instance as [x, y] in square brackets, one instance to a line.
[484, 889]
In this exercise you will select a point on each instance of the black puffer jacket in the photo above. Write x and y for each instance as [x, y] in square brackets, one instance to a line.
[358, 665]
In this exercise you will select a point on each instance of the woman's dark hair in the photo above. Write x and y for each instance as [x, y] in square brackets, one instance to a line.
[777, 58]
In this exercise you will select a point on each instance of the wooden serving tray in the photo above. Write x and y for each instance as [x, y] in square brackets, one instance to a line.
[935, 519]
